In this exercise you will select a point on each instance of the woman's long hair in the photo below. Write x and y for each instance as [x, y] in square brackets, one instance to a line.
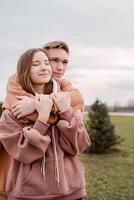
[23, 72]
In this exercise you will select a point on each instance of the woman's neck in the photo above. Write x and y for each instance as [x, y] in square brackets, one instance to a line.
[39, 89]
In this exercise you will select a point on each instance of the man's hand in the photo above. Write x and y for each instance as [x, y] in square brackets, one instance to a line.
[43, 105]
[62, 100]
[23, 107]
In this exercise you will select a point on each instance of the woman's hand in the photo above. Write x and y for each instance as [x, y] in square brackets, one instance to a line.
[62, 100]
[43, 105]
[23, 107]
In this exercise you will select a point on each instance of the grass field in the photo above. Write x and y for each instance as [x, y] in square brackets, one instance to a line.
[111, 176]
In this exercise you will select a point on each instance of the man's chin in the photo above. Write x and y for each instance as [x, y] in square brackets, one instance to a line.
[57, 78]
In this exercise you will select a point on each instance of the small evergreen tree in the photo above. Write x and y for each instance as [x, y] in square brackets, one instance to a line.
[101, 131]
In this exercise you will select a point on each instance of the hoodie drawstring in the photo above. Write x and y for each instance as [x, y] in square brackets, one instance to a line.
[43, 166]
[56, 165]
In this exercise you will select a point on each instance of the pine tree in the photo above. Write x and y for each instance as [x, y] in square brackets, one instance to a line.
[101, 131]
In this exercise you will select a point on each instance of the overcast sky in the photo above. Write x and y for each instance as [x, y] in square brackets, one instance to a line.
[100, 34]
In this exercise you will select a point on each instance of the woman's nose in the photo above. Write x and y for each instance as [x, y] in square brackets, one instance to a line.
[43, 66]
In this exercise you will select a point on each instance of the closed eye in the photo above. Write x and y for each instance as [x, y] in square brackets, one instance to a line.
[35, 63]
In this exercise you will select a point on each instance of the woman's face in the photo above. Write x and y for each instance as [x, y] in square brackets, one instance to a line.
[40, 71]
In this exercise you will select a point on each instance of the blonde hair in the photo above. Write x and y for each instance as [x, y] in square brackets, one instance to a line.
[56, 45]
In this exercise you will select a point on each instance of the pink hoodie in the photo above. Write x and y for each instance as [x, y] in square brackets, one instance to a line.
[44, 165]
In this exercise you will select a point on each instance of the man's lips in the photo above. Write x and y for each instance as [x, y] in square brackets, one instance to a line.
[57, 74]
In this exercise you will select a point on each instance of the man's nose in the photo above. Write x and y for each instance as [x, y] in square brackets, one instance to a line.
[60, 65]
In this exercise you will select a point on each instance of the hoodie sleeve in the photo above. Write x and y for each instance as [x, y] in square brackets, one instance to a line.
[23, 144]
[13, 88]
[77, 101]
[73, 135]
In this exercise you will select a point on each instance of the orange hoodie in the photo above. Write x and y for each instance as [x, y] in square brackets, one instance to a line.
[13, 89]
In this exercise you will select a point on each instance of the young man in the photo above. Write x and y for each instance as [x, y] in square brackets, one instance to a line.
[58, 54]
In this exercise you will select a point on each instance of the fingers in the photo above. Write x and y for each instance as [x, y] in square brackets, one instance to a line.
[15, 105]
[14, 109]
[21, 100]
[17, 113]
[59, 95]
[20, 115]
[42, 96]
[26, 130]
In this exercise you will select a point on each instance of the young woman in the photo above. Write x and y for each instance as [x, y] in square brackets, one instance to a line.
[23, 106]
[43, 156]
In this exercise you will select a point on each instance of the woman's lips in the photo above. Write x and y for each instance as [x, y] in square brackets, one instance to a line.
[46, 74]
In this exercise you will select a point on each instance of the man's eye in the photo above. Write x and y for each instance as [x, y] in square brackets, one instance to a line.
[54, 60]
[65, 62]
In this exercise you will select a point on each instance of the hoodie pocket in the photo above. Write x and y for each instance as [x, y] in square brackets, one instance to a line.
[33, 185]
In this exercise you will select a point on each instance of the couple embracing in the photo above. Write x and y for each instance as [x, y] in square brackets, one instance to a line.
[42, 129]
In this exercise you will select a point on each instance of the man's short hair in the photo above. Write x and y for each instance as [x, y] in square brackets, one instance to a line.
[56, 45]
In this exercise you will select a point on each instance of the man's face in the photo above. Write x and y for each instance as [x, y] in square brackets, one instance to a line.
[59, 61]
